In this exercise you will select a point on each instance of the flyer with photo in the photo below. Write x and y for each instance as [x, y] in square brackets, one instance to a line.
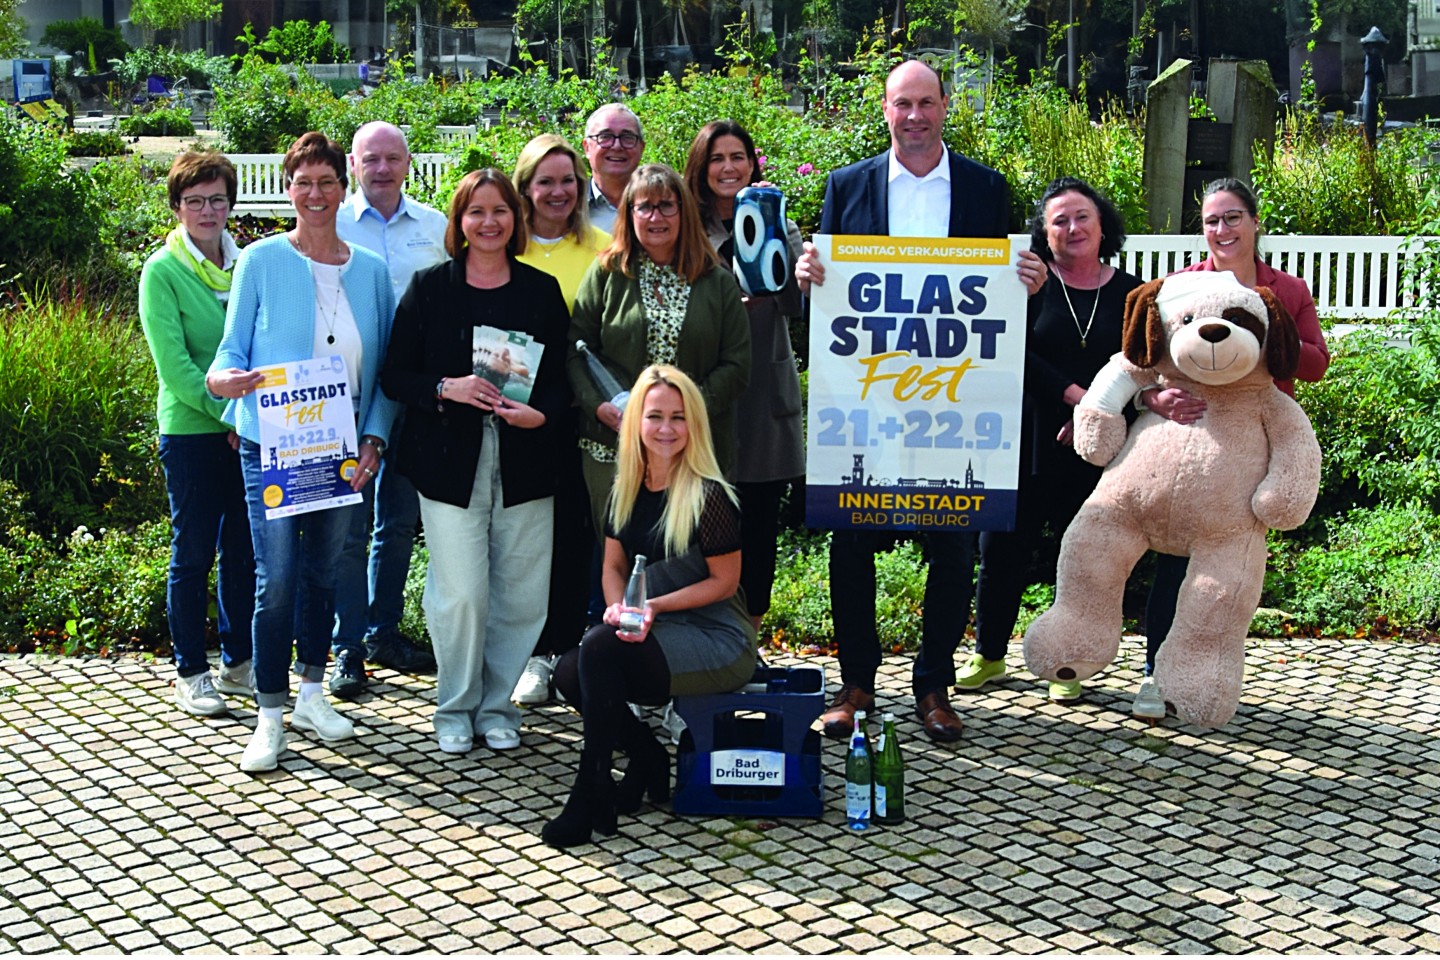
[507, 358]
[308, 449]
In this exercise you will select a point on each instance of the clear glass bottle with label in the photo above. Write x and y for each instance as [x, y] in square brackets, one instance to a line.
[858, 776]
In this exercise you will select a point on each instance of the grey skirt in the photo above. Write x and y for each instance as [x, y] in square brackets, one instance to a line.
[709, 649]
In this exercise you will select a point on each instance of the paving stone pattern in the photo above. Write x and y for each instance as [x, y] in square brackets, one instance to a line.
[1311, 823]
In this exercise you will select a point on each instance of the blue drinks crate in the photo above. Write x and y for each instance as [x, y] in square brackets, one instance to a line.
[751, 752]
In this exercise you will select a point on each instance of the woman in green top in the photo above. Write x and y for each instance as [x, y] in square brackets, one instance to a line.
[183, 291]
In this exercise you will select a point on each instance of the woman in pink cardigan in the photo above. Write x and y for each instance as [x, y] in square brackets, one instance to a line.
[1231, 224]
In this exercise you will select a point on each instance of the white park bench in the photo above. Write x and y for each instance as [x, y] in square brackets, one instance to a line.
[1351, 278]
[261, 176]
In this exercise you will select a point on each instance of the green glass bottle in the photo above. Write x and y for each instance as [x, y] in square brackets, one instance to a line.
[889, 776]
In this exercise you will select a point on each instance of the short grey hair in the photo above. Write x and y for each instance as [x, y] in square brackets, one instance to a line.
[613, 108]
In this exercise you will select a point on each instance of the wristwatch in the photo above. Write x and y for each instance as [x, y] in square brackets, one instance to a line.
[440, 388]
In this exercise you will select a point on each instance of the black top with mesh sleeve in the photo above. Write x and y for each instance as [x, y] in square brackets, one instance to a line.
[717, 534]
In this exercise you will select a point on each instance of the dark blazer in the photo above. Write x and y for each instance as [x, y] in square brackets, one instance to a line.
[439, 445]
[857, 199]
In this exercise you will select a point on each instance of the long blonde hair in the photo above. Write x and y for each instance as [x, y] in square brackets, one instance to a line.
[685, 496]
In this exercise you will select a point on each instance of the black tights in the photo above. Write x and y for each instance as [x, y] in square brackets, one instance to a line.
[605, 674]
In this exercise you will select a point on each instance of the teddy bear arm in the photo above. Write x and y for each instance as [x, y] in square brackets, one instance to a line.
[1099, 422]
[1286, 495]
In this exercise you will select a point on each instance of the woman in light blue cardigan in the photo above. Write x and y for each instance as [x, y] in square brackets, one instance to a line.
[295, 296]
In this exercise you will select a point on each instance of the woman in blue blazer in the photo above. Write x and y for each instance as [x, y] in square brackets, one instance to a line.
[299, 295]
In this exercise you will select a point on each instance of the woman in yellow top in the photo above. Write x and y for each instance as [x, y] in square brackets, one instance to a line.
[553, 187]
[552, 181]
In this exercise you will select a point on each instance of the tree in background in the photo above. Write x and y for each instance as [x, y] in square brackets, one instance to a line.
[172, 14]
[94, 43]
[294, 41]
[12, 29]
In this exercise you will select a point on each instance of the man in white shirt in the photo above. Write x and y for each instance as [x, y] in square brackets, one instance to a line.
[613, 147]
[368, 605]
[917, 188]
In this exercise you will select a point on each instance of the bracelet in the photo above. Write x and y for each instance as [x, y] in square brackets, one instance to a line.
[440, 389]
[375, 442]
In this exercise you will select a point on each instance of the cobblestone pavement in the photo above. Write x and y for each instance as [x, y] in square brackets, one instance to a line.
[1311, 823]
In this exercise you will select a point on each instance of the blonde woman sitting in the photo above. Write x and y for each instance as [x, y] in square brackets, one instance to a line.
[671, 505]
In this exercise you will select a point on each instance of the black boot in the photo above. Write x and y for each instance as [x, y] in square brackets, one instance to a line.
[590, 806]
[648, 770]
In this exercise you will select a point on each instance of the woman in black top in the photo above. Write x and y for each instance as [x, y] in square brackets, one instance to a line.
[670, 504]
[482, 454]
[1074, 328]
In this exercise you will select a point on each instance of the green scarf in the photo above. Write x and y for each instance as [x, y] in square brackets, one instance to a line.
[210, 275]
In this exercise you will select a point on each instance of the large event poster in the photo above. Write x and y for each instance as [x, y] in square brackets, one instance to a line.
[917, 355]
[308, 452]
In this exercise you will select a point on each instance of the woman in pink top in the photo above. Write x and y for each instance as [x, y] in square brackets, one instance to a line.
[1231, 224]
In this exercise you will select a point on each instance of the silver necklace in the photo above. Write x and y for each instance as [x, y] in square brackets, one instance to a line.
[1084, 334]
[547, 247]
[334, 313]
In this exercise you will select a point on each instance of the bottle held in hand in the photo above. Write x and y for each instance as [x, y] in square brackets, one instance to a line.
[632, 614]
[602, 376]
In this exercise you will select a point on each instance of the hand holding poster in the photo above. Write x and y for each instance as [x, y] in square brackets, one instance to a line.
[308, 452]
[917, 358]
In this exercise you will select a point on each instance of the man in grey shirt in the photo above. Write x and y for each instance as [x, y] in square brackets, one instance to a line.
[613, 147]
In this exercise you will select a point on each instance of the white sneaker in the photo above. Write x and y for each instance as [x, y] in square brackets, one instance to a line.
[1148, 701]
[196, 696]
[456, 744]
[238, 681]
[316, 715]
[502, 738]
[264, 749]
[534, 685]
[672, 722]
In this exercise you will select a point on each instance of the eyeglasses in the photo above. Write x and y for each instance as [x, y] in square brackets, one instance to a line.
[218, 202]
[1231, 219]
[666, 208]
[328, 185]
[608, 138]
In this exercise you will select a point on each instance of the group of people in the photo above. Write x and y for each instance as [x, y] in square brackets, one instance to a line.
[536, 510]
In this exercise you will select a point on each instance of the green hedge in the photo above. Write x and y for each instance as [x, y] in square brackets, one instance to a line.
[158, 122]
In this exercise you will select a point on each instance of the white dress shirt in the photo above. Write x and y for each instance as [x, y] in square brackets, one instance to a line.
[919, 206]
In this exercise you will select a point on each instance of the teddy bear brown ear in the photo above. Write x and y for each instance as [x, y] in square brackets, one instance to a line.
[1282, 339]
[1142, 338]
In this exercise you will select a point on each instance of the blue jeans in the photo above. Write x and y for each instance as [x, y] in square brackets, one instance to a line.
[396, 511]
[295, 564]
[207, 515]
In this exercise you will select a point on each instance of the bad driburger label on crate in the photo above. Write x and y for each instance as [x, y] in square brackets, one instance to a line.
[747, 768]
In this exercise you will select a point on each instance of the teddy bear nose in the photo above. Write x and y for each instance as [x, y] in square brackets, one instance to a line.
[1214, 332]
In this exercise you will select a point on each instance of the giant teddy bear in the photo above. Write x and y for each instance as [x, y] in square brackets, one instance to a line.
[1206, 490]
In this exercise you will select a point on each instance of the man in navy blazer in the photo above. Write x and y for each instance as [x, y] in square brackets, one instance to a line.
[917, 188]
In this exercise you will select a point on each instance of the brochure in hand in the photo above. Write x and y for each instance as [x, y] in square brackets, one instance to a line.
[507, 358]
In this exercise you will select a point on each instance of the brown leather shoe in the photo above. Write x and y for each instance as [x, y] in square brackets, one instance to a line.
[939, 719]
[839, 721]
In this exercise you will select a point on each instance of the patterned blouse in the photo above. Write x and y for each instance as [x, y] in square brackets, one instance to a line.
[664, 298]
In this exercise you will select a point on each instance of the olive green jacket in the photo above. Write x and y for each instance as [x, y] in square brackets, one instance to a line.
[714, 347]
